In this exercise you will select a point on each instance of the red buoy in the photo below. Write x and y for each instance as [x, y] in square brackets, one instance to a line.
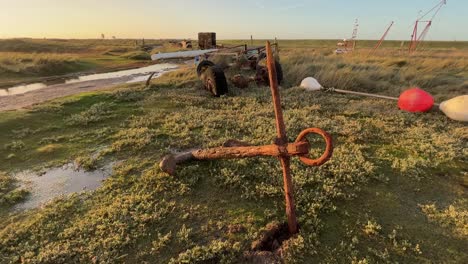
[416, 100]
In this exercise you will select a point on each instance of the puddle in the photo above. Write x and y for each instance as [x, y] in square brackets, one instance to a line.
[139, 73]
[129, 76]
[58, 182]
[144, 78]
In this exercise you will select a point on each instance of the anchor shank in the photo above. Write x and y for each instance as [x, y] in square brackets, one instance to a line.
[282, 141]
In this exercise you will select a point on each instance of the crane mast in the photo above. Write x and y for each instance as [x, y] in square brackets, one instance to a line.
[355, 32]
[383, 37]
[416, 37]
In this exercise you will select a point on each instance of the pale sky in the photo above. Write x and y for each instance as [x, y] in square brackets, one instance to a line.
[233, 19]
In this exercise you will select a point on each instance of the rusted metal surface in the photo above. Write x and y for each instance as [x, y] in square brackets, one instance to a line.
[328, 150]
[240, 81]
[281, 149]
[261, 76]
[282, 142]
[207, 40]
[235, 151]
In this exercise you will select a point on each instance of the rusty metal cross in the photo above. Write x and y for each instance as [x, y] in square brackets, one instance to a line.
[280, 149]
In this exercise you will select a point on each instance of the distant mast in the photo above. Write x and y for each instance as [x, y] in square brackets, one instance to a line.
[382, 38]
[355, 32]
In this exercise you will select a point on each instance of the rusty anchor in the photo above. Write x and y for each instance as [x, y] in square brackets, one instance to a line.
[281, 149]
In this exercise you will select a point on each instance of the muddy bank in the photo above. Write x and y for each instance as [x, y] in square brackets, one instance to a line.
[52, 92]
[27, 95]
[56, 79]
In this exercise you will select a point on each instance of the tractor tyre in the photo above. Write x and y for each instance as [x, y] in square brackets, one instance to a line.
[262, 76]
[215, 81]
[279, 72]
[202, 66]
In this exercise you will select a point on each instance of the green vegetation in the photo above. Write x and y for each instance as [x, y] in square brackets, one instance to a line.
[38, 64]
[138, 55]
[394, 191]
[9, 194]
[29, 60]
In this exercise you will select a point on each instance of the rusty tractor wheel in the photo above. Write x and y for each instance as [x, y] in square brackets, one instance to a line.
[279, 72]
[202, 66]
[262, 77]
[214, 81]
[253, 61]
[240, 81]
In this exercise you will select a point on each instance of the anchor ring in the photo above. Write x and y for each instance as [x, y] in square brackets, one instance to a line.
[328, 151]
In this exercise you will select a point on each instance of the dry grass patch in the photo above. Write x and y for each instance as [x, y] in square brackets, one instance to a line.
[50, 148]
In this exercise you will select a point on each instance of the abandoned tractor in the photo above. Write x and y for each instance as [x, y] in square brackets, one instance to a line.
[213, 76]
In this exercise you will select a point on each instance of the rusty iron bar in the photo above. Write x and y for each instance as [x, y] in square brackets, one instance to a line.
[282, 142]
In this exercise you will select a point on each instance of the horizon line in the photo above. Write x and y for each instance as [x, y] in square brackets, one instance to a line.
[223, 39]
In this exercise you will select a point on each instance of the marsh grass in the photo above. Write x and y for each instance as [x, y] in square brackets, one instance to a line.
[37, 64]
[137, 55]
[29, 60]
[385, 73]
[372, 203]
[95, 113]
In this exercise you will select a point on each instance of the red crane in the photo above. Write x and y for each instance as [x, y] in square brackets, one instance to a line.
[417, 38]
[382, 38]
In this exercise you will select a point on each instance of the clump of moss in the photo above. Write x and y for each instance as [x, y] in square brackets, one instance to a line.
[15, 145]
[216, 251]
[454, 217]
[86, 162]
[95, 113]
[9, 194]
[137, 55]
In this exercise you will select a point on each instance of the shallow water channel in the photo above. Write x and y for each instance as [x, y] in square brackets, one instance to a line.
[128, 76]
[58, 182]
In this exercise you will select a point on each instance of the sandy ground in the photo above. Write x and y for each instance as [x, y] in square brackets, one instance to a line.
[28, 99]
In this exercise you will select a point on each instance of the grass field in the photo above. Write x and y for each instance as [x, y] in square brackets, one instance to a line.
[29, 60]
[394, 191]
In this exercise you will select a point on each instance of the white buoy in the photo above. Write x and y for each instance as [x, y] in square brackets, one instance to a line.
[311, 84]
[456, 108]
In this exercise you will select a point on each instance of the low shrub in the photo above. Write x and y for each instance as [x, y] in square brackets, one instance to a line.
[95, 113]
